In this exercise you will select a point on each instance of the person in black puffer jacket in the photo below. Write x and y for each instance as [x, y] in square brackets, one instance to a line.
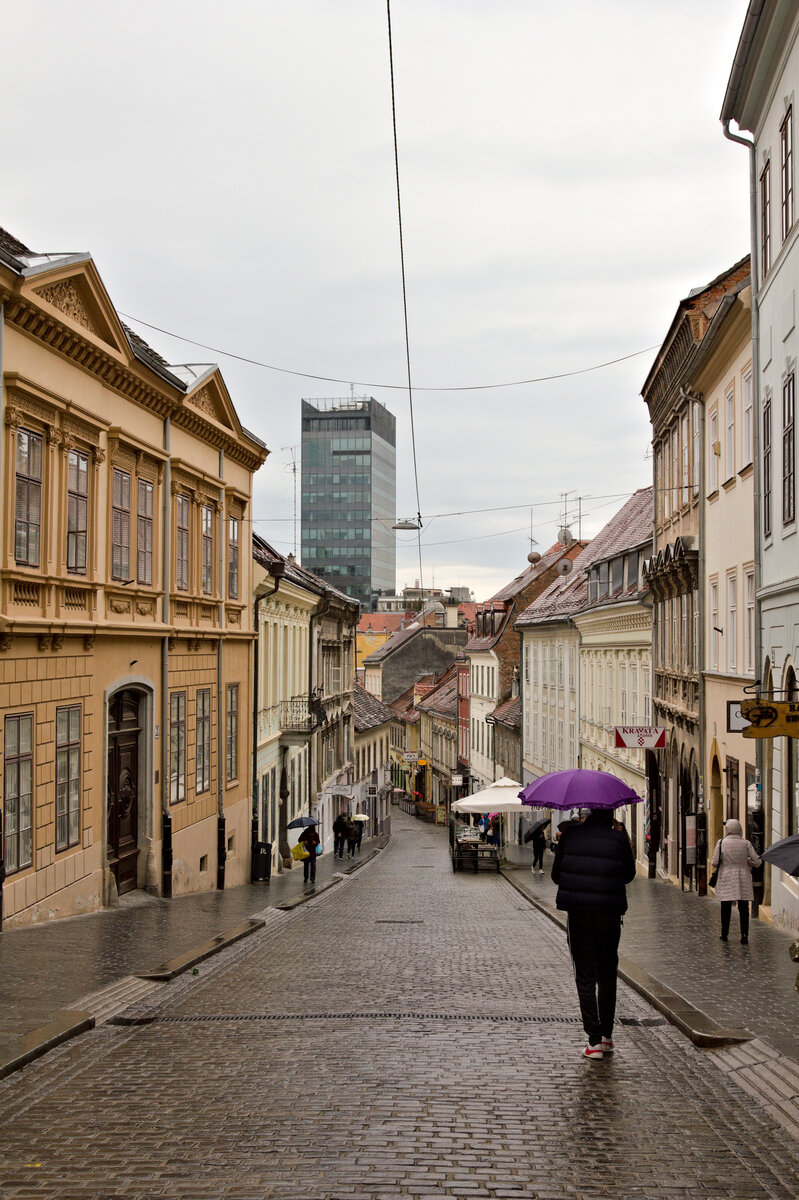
[593, 864]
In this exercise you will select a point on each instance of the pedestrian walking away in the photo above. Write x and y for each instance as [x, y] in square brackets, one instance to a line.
[309, 838]
[352, 836]
[340, 826]
[734, 856]
[539, 846]
[358, 835]
[593, 864]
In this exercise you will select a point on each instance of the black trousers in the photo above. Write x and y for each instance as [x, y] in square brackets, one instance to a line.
[726, 913]
[538, 853]
[594, 945]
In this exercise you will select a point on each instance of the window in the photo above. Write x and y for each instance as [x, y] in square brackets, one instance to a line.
[729, 442]
[28, 502]
[18, 756]
[714, 621]
[733, 775]
[120, 525]
[684, 460]
[713, 437]
[765, 219]
[208, 549]
[788, 453]
[182, 543]
[77, 511]
[675, 468]
[144, 533]
[767, 466]
[695, 641]
[232, 731]
[666, 479]
[658, 491]
[67, 776]
[634, 694]
[697, 465]
[786, 173]
[747, 416]
[177, 747]
[623, 694]
[233, 558]
[732, 621]
[749, 595]
[202, 781]
[686, 647]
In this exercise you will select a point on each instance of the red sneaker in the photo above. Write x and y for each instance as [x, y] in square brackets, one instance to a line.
[592, 1052]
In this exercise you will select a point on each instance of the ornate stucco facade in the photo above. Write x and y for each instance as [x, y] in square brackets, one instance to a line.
[125, 636]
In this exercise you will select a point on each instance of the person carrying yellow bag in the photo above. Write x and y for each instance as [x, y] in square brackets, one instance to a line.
[309, 840]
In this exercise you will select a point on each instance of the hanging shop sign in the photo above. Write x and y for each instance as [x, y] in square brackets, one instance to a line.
[771, 718]
[410, 756]
[640, 737]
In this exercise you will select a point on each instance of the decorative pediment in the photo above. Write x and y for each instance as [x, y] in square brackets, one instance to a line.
[80, 301]
[211, 398]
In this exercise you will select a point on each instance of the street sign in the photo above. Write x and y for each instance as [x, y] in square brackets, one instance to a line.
[640, 737]
[410, 756]
[457, 781]
[771, 718]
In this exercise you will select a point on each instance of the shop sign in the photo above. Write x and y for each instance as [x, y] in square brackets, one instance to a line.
[640, 737]
[771, 718]
[457, 781]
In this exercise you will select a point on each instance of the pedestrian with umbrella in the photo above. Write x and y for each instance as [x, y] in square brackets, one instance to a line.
[784, 854]
[734, 858]
[309, 840]
[359, 820]
[536, 834]
[593, 864]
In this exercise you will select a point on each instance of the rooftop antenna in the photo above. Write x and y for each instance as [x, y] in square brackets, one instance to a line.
[565, 535]
[292, 466]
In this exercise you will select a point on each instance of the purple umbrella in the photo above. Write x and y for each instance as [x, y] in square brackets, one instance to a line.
[578, 789]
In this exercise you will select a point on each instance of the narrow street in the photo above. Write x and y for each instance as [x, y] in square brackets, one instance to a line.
[409, 1033]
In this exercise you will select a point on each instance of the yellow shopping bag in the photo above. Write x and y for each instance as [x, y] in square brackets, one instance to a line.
[299, 852]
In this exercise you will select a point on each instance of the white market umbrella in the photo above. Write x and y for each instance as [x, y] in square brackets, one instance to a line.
[501, 796]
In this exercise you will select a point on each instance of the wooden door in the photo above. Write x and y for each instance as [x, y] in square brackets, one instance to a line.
[123, 782]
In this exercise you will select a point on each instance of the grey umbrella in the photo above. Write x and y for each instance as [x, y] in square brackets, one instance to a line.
[784, 854]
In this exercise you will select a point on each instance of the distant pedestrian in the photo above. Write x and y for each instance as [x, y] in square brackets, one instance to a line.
[309, 838]
[352, 836]
[593, 864]
[358, 834]
[734, 857]
[539, 846]
[340, 834]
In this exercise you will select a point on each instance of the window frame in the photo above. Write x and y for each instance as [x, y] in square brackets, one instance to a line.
[732, 621]
[233, 557]
[786, 173]
[67, 801]
[202, 741]
[33, 484]
[788, 450]
[207, 549]
[177, 747]
[713, 465]
[182, 542]
[77, 514]
[749, 637]
[10, 761]
[729, 434]
[120, 524]
[765, 218]
[747, 418]
[232, 733]
[144, 532]
[767, 465]
[713, 613]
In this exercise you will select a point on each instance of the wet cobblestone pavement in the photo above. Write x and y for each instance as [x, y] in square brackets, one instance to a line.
[409, 1033]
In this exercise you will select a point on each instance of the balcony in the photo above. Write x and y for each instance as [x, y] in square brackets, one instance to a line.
[296, 720]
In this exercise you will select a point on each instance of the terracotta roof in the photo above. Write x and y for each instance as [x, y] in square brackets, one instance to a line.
[368, 711]
[267, 556]
[509, 712]
[508, 593]
[380, 622]
[403, 706]
[631, 526]
[443, 697]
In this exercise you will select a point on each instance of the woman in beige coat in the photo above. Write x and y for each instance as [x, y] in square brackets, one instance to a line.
[735, 877]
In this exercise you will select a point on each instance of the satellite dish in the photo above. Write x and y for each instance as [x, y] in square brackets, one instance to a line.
[534, 557]
[565, 536]
[564, 566]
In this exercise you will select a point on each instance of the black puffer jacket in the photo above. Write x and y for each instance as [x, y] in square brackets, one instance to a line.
[593, 862]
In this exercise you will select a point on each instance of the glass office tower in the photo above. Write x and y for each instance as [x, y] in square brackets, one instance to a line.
[348, 508]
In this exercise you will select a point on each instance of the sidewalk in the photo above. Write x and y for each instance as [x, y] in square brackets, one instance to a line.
[45, 968]
[673, 936]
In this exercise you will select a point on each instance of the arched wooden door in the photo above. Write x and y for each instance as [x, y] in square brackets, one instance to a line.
[123, 785]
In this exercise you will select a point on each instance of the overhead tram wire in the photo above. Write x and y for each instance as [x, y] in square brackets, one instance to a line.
[405, 299]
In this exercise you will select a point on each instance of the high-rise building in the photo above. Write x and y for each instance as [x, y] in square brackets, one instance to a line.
[348, 504]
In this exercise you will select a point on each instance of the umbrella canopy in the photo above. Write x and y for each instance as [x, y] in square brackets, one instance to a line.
[536, 826]
[578, 789]
[784, 854]
[499, 797]
[302, 822]
[360, 817]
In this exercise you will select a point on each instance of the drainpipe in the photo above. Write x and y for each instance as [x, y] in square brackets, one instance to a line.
[2, 427]
[221, 843]
[754, 275]
[276, 572]
[166, 573]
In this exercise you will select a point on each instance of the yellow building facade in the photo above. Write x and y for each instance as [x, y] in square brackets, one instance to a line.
[125, 630]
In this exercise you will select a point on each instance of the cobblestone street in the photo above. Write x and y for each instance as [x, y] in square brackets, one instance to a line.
[411, 1032]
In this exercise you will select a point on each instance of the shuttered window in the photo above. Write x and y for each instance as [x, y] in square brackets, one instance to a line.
[120, 525]
[232, 731]
[177, 747]
[233, 559]
[203, 741]
[144, 533]
[208, 549]
[182, 543]
[18, 808]
[67, 775]
[28, 501]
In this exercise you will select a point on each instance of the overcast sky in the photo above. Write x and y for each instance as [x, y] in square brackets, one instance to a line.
[565, 182]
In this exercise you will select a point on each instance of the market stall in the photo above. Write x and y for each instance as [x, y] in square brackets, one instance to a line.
[467, 850]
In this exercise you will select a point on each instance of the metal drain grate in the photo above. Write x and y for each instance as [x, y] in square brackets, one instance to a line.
[494, 1018]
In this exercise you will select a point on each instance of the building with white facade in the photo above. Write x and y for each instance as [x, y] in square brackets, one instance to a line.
[760, 98]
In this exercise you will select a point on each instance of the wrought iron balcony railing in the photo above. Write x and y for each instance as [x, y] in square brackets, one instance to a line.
[296, 716]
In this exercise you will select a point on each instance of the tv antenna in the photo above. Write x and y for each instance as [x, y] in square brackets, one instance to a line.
[292, 466]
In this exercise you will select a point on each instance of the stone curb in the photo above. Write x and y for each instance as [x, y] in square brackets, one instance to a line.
[696, 1025]
[183, 962]
[63, 1025]
[288, 905]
